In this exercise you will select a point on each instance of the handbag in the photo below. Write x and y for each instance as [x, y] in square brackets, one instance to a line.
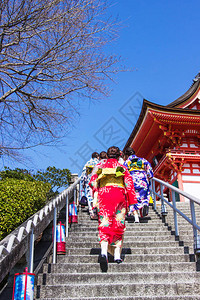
[83, 201]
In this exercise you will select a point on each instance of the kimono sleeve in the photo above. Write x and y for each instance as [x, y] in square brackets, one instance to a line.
[93, 183]
[149, 170]
[83, 175]
[130, 190]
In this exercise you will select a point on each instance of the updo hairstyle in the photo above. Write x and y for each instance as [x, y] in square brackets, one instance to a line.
[113, 152]
[129, 151]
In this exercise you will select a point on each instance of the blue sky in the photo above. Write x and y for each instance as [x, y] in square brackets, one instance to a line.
[159, 40]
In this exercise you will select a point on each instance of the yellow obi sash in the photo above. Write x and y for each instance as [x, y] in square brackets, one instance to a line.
[111, 177]
[135, 164]
[89, 169]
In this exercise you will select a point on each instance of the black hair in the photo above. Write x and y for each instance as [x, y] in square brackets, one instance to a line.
[103, 155]
[129, 151]
[113, 152]
[95, 155]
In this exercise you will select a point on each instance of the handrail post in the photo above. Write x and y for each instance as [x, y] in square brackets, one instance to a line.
[79, 191]
[75, 195]
[154, 195]
[31, 251]
[54, 234]
[67, 215]
[163, 207]
[175, 213]
[195, 234]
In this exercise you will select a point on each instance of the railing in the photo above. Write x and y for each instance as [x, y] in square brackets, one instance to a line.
[193, 200]
[16, 244]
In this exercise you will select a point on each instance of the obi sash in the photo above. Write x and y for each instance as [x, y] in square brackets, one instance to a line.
[111, 177]
[89, 169]
[136, 164]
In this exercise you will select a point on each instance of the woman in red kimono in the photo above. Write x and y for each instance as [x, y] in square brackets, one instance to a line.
[115, 188]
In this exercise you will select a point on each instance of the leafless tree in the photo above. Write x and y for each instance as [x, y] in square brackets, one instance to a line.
[50, 51]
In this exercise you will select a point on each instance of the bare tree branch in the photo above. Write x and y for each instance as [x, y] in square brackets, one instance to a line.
[50, 52]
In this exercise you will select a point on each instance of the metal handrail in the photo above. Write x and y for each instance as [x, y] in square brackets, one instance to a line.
[15, 245]
[192, 199]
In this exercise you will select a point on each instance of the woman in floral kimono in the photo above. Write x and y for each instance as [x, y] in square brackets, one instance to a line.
[141, 172]
[116, 193]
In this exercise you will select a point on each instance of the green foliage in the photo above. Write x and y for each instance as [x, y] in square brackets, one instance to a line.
[22, 194]
[56, 177]
[17, 173]
[19, 199]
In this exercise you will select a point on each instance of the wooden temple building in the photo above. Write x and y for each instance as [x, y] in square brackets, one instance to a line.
[169, 138]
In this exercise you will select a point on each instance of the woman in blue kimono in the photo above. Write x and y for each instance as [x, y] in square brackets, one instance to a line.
[85, 179]
[141, 172]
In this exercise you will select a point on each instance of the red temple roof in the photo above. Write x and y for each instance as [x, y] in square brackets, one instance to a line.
[157, 122]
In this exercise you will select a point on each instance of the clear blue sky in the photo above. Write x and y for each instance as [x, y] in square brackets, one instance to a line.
[160, 42]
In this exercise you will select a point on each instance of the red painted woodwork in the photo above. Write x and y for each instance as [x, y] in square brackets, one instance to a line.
[169, 136]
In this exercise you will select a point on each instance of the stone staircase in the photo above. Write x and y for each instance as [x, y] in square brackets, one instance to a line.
[155, 266]
[184, 228]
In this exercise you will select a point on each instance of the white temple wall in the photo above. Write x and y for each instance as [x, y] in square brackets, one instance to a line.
[191, 185]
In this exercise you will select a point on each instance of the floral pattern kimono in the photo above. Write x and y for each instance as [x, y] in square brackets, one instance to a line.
[141, 172]
[85, 179]
[115, 189]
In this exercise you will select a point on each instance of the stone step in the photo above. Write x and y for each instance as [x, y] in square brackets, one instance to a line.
[138, 250]
[128, 258]
[133, 228]
[127, 244]
[73, 235]
[129, 226]
[87, 220]
[129, 229]
[117, 290]
[180, 297]
[138, 277]
[179, 218]
[124, 267]
[181, 226]
[170, 214]
[142, 221]
[127, 239]
[154, 266]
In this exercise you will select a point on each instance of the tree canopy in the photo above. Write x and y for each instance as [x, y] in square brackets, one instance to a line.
[58, 178]
[51, 51]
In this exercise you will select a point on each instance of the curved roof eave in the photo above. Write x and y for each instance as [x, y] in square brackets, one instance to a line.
[187, 94]
[147, 104]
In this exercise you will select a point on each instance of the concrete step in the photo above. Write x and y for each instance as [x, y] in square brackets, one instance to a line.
[128, 239]
[137, 277]
[150, 216]
[179, 218]
[128, 258]
[142, 221]
[73, 235]
[181, 226]
[129, 227]
[124, 267]
[131, 244]
[117, 289]
[154, 266]
[180, 297]
[138, 250]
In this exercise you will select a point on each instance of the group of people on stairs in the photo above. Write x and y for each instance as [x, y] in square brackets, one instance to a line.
[116, 183]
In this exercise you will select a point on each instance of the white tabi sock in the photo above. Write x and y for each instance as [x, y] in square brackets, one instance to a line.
[104, 248]
[137, 220]
[117, 253]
